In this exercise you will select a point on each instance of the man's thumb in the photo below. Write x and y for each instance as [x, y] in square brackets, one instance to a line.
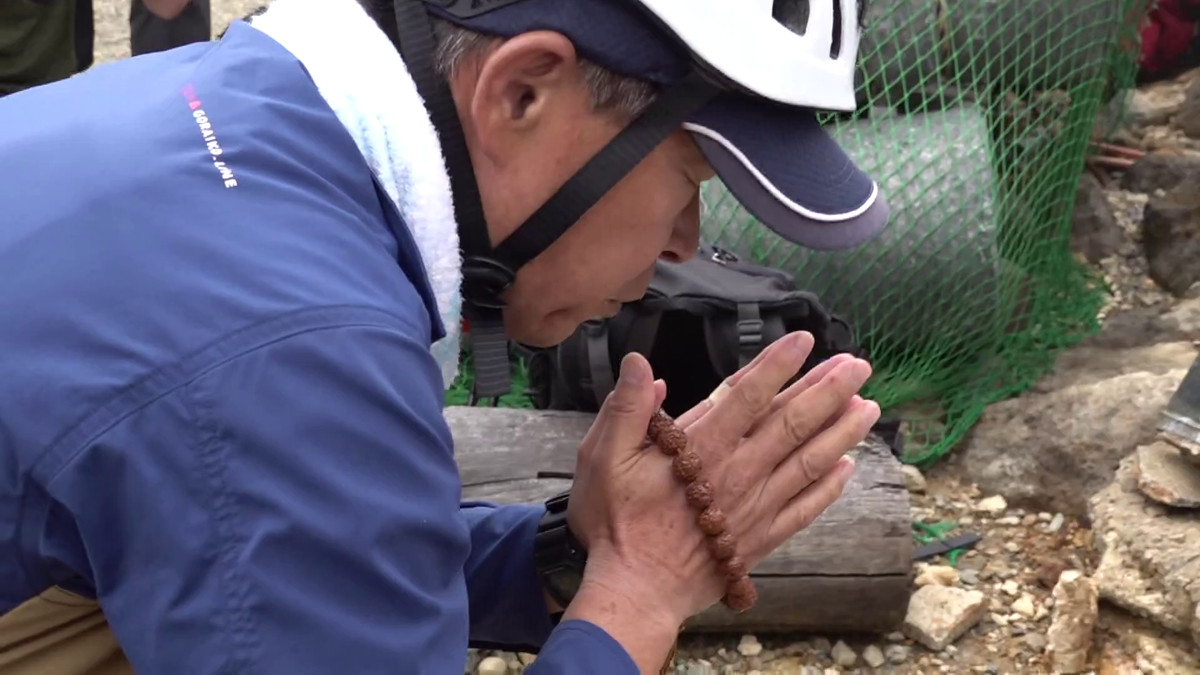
[628, 408]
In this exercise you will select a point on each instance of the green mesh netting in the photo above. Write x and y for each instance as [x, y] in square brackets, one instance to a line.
[975, 118]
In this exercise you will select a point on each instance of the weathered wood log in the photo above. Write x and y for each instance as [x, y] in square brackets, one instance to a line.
[847, 572]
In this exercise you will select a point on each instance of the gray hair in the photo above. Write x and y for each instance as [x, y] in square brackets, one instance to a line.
[609, 92]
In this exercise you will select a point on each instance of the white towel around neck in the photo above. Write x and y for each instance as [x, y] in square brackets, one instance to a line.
[363, 79]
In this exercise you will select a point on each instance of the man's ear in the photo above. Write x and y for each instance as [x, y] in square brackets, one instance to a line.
[519, 84]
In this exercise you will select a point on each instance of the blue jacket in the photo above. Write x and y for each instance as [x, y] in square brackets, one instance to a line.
[218, 410]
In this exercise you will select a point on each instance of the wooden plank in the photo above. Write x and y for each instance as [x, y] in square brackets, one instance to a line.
[848, 571]
[500, 452]
[823, 605]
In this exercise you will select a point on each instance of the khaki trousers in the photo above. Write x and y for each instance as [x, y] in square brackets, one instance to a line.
[59, 633]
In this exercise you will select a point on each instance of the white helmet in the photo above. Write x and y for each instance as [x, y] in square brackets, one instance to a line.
[795, 52]
[745, 77]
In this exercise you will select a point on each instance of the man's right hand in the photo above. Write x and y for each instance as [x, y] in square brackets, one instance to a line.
[775, 460]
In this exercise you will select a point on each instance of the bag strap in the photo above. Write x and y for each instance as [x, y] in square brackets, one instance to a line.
[639, 337]
[642, 331]
[749, 332]
[747, 336]
[595, 354]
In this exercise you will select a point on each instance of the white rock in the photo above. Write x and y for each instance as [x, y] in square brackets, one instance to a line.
[1055, 523]
[701, 667]
[843, 655]
[1075, 610]
[1024, 605]
[943, 575]
[1008, 521]
[874, 657]
[492, 665]
[993, 505]
[749, 646]
[938, 615]
[913, 478]
[1044, 517]
[895, 653]
[1165, 476]
[1011, 587]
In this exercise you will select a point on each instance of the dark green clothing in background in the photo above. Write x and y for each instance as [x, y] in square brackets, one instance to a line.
[42, 41]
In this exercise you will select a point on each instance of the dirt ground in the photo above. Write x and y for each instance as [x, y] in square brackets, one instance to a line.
[112, 23]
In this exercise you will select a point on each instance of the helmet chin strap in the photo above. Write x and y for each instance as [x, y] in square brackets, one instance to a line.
[489, 272]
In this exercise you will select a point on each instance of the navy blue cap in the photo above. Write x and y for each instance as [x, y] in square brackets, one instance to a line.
[776, 160]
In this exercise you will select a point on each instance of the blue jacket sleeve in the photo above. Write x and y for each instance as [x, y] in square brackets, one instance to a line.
[296, 510]
[507, 603]
[582, 648]
[501, 580]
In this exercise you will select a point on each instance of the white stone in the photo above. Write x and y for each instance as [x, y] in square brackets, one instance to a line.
[1024, 605]
[843, 655]
[492, 665]
[895, 653]
[994, 505]
[943, 575]
[874, 657]
[913, 478]
[1075, 611]
[749, 646]
[1055, 523]
[938, 615]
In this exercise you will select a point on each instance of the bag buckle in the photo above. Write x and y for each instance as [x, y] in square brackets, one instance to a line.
[721, 256]
[750, 332]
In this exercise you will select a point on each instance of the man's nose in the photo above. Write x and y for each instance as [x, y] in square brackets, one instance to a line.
[685, 236]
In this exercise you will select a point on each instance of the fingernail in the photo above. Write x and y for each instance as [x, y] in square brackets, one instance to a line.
[632, 371]
[800, 344]
[719, 393]
[846, 467]
[871, 408]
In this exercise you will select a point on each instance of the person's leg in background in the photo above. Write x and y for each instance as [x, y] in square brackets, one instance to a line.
[149, 32]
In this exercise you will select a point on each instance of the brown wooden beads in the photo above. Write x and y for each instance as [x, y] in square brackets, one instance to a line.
[740, 594]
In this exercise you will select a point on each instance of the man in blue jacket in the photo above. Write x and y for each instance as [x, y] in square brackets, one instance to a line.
[233, 275]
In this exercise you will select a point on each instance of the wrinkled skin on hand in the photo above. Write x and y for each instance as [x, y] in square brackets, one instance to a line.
[773, 461]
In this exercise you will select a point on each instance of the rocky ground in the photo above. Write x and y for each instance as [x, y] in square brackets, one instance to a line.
[1081, 567]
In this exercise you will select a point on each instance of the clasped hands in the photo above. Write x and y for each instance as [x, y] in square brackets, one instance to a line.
[776, 460]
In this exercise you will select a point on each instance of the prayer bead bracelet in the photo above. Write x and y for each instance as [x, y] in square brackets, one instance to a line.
[740, 593]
